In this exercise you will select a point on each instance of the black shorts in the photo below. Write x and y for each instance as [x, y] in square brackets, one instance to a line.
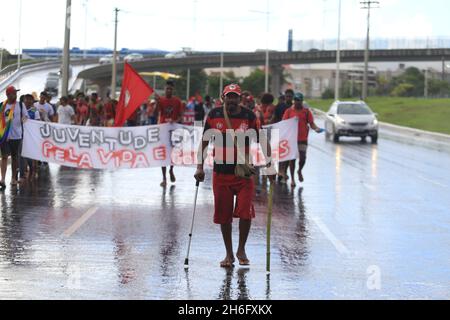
[11, 148]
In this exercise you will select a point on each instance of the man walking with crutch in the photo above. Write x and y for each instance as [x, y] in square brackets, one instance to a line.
[232, 178]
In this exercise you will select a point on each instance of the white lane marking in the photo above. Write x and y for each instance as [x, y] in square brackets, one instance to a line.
[433, 182]
[340, 247]
[80, 222]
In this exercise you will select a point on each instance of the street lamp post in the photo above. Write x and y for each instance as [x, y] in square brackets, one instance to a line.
[425, 94]
[338, 56]
[66, 55]
[114, 64]
[20, 36]
[267, 64]
[85, 4]
[369, 6]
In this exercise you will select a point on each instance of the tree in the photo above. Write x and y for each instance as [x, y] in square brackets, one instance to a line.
[328, 94]
[213, 85]
[403, 90]
[255, 82]
[197, 83]
[410, 84]
[438, 87]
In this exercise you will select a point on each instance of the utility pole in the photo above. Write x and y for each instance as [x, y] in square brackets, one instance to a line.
[66, 55]
[1, 55]
[267, 47]
[367, 5]
[85, 4]
[114, 64]
[221, 73]
[426, 84]
[188, 85]
[20, 36]
[267, 65]
[338, 56]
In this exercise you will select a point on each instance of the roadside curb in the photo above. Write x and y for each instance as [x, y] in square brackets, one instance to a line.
[436, 141]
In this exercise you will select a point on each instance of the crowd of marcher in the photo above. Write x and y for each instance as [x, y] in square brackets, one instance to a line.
[233, 190]
[91, 110]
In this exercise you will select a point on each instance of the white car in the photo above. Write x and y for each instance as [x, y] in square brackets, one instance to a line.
[351, 119]
[108, 59]
[176, 55]
[134, 57]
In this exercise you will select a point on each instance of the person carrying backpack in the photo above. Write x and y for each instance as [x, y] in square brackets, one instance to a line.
[12, 116]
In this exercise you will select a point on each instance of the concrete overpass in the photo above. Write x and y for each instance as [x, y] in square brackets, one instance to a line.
[101, 75]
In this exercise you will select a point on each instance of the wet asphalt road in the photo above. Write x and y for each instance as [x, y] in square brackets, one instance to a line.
[370, 222]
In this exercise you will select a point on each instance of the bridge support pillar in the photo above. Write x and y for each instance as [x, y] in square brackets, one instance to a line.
[103, 87]
[276, 73]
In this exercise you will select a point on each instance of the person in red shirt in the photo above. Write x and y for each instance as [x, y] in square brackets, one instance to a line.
[266, 110]
[305, 121]
[110, 113]
[170, 110]
[226, 184]
[82, 112]
[95, 111]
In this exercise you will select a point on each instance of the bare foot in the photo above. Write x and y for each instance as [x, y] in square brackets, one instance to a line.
[227, 263]
[243, 260]
[163, 184]
[300, 176]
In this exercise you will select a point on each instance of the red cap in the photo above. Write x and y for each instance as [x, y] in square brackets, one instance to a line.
[11, 89]
[232, 88]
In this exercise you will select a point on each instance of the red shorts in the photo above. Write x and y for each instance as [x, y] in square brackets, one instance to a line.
[226, 187]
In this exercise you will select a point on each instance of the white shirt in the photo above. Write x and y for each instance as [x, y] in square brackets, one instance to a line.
[65, 114]
[16, 125]
[46, 111]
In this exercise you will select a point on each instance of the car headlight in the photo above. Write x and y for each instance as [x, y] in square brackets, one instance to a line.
[375, 122]
[341, 121]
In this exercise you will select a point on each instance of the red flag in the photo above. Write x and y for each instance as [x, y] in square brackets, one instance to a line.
[135, 91]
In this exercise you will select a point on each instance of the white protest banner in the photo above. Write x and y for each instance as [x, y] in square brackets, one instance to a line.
[136, 147]
[97, 148]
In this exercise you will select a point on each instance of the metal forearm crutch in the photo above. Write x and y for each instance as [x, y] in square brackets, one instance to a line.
[186, 262]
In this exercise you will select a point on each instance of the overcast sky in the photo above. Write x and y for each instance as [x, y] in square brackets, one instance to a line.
[229, 25]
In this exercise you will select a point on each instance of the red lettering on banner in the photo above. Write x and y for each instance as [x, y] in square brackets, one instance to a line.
[85, 161]
[160, 153]
[284, 149]
[123, 157]
[66, 156]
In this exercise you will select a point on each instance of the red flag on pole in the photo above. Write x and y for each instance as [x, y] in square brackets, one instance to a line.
[135, 91]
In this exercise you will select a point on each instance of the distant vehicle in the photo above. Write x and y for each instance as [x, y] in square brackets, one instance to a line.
[351, 119]
[108, 59]
[176, 55]
[70, 72]
[52, 83]
[53, 75]
[134, 57]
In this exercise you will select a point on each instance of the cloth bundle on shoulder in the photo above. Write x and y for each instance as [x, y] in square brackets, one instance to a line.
[244, 169]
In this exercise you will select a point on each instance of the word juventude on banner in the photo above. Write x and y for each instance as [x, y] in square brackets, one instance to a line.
[138, 147]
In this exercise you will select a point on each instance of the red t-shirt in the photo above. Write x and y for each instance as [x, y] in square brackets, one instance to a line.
[242, 122]
[109, 111]
[305, 118]
[83, 110]
[170, 109]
